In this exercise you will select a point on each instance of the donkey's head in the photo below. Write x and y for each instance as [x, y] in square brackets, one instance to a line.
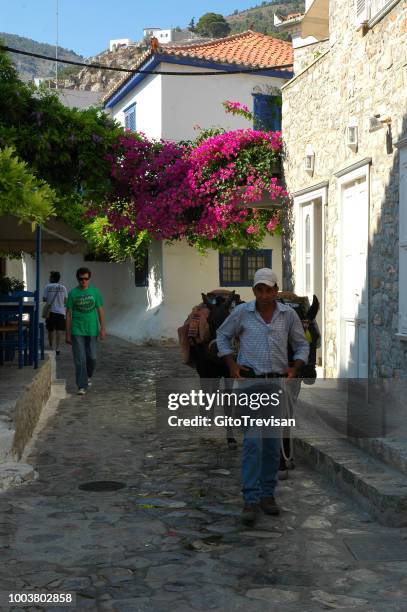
[219, 309]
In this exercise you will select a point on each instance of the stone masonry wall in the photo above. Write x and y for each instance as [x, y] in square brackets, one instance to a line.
[303, 56]
[29, 405]
[359, 76]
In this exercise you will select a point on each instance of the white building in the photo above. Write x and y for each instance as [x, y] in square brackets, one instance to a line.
[170, 107]
[118, 43]
[150, 305]
[347, 174]
[168, 35]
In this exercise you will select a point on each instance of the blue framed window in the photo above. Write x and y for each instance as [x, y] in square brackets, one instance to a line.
[130, 117]
[266, 112]
[141, 272]
[237, 269]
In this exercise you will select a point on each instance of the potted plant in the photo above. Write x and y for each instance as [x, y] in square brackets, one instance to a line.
[9, 285]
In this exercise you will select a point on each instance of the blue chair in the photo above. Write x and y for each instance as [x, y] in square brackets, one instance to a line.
[15, 333]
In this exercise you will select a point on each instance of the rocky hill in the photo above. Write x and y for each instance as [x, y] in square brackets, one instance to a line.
[30, 67]
[94, 79]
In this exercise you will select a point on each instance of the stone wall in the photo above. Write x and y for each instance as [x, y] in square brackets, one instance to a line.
[360, 76]
[303, 56]
[28, 407]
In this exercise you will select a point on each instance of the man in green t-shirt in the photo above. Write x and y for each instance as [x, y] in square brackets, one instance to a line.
[85, 321]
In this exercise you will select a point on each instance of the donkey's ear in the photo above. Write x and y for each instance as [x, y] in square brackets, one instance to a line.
[231, 298]
[313, 309]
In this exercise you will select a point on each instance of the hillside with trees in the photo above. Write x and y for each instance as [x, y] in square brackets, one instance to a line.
[30, 67]
[260, 17]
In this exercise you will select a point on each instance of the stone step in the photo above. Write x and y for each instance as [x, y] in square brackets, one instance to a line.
[392, 449]
[377, 487]
[377, 426]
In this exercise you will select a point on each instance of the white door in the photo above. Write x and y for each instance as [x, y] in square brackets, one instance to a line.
[308, 249]
[353, 298]
[309, 280]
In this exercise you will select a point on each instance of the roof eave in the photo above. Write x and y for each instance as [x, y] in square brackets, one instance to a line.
[157, 59]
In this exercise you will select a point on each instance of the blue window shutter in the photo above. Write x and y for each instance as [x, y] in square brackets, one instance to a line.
[267, 112]
[130, 117]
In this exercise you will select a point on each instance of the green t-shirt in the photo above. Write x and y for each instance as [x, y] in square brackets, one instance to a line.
[83, 304]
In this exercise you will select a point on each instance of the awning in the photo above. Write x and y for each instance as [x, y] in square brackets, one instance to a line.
[54, 237]
[57, 237]
[316, 20]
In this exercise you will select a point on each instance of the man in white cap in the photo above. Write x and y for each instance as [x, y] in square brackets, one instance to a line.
[264, 328]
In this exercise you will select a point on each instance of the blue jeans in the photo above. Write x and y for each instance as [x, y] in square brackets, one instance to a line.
[84, 357]
[260, 463]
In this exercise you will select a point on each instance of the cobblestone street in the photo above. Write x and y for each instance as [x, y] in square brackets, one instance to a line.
[172, 538]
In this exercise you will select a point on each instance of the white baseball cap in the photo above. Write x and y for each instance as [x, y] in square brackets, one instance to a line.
[266, 276]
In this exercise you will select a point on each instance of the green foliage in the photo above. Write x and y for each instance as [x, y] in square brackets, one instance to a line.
[65, 147]
[260, 18]
[235, 237]
[21, 193]
[207, 133]
[213, 25]
[120, 245]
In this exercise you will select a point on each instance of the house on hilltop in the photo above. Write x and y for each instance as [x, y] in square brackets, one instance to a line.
[345, 130]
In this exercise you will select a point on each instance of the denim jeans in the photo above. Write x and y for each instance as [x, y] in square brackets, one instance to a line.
[261, 447]
[84, 357]
[260, 462]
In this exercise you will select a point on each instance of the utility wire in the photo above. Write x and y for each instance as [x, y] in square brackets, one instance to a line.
[137, 70]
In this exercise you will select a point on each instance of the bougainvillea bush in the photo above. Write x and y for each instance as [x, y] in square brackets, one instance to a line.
[173, 190]
[121, 189]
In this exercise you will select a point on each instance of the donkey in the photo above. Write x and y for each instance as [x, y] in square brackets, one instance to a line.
[203, 355]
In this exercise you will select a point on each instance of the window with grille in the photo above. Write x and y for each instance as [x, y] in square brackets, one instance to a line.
[237, 269]
[130, 118]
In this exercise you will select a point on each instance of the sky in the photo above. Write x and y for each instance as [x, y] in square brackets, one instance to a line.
[86, 26]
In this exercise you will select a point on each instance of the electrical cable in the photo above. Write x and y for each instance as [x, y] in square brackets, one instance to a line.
[138, 71]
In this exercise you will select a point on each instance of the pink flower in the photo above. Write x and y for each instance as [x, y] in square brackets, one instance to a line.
[272, 224]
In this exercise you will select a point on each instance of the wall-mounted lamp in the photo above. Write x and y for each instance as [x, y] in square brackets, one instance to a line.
[309, 160]
[351, 135]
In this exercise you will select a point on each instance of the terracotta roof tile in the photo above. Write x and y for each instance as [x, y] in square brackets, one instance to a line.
[249, 49]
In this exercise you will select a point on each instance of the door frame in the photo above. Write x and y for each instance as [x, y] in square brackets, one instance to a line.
[302, 198]
[362, 172]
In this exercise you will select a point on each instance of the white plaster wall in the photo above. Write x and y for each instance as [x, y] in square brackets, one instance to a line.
[119, 41]
[177, 276]
[14, 268]
[187, 274]
[189, 101]
[147, 96]
[107, 277]
[164, 36]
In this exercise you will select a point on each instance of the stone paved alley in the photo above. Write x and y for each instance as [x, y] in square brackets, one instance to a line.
[172, 539]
